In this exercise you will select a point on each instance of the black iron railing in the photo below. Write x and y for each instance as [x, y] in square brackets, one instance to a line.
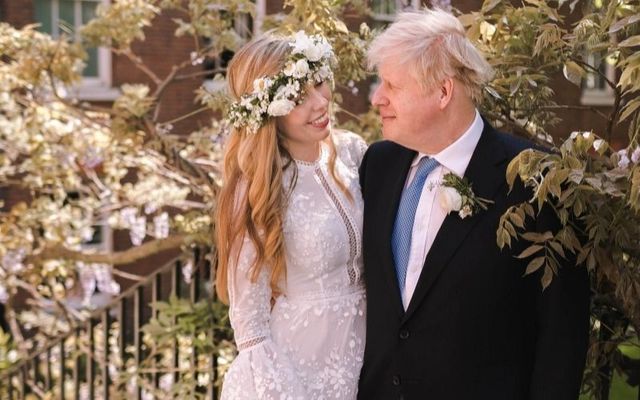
[80, 364]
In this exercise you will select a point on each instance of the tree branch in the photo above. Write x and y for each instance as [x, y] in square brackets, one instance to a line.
[117, 258]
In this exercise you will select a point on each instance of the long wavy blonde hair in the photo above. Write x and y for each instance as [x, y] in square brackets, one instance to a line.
[253, 199]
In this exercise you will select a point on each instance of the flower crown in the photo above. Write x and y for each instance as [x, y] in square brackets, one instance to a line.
[309, 61]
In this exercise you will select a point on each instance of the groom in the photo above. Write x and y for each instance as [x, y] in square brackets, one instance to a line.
[451, 316]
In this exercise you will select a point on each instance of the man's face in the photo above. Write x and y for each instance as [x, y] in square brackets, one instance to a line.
[408, 112]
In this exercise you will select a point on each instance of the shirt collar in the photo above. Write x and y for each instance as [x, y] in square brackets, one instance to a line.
[457, 155]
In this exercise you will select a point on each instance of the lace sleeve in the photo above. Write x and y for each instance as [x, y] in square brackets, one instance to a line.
[261, 370]
[249, 302]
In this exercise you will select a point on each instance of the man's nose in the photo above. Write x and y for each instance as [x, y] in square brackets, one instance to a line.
[378, 98]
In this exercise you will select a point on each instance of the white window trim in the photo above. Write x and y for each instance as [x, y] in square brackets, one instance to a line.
[90, 88]
[600, 97]
[400, 5]
[106, 233]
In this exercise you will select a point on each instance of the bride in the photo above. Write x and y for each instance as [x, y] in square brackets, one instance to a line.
[288, 228]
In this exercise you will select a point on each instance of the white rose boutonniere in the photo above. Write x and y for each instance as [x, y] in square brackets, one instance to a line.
[456, 195]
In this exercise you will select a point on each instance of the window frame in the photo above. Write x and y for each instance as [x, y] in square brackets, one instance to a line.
[93, 88]
[597, 96]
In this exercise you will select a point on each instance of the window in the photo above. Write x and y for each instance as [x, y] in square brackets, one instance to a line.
[245, 27]
[384, 11]
[595, 89]
[58, 17]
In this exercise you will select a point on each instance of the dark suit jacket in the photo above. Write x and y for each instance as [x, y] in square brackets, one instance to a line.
[475, 328]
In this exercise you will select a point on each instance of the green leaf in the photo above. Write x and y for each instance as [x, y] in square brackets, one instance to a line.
[512, 171]
[629, 109]
[517, 219]
[558, 248]
[547, 278]
[573, 72]
[630, 42]
[530, 251]
[489, 5]
[534, 265]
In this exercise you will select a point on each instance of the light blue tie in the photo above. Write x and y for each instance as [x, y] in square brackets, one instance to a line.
[403, 227]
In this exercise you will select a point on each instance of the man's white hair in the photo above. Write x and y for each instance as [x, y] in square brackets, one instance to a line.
[432, 44]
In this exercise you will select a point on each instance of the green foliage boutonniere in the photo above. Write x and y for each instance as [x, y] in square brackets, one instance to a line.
[456, 195]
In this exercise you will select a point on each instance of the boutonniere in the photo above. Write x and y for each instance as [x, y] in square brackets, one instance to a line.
[456, 195]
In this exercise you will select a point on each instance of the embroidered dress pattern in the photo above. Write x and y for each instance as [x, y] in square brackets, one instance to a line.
[310, 343]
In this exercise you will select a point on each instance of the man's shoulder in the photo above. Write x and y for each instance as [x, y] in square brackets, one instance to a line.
[385, 148]
[513, 145]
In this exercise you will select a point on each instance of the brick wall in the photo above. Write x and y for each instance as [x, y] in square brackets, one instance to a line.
[162, 50]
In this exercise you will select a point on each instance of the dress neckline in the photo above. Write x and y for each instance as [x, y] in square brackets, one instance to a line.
[312, 164]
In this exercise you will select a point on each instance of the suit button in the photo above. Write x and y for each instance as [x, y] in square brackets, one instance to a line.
[404, 334]
[396, 380]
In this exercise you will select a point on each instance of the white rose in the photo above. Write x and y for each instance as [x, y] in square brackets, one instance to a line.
[260, 84]
[301, 69]
[313, 53]
[324, 73]
[450, 199]
[289, 69]
[465, 212]
[301, 42]
[280, 107]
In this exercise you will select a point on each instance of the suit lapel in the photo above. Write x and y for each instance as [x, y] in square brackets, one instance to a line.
[397, 175]
[486, 175]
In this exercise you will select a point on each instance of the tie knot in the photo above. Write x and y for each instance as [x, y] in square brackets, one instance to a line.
[425, 166]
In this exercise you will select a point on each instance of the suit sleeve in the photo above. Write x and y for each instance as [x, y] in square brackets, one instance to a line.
[562, 323]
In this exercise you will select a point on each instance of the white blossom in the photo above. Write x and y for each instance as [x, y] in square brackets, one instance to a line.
[166, 381]
[161, 225]
[635, 156]
[12, 260]
[301, 42]
[289, 68]
[4, 294]
[597, 144]
[128, 216]
[138, 231]
[187, 271]
[301, 69]
[623, 159]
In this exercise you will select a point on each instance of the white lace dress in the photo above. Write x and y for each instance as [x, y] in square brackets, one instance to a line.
[309, 344]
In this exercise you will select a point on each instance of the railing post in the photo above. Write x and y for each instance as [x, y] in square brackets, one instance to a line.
[137, 335]
[63, 378]
[91, 362]
[76, 366]
[176, 280]
[106, 324]
[156, 294]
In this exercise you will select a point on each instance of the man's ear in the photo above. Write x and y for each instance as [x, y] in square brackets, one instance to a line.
[446, 92]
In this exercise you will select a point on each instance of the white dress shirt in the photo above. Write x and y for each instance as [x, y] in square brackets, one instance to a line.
[429, 214]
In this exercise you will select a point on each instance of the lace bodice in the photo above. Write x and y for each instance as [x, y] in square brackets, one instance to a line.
[309, 344]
